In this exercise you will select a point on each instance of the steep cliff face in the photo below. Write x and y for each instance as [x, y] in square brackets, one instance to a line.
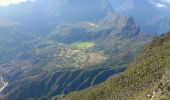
[148, 13]
[147, 78]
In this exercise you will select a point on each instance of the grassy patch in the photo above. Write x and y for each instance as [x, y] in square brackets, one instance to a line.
[82, 45]
[1, 84]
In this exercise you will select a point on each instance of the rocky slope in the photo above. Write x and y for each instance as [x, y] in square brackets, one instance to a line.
[147, 78]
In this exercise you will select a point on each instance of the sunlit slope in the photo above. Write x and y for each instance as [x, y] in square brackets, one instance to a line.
[146, 78]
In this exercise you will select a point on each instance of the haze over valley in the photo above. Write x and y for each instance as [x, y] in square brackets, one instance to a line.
[84, 49]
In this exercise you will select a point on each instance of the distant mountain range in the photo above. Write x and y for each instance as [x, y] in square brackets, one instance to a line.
[146, 13]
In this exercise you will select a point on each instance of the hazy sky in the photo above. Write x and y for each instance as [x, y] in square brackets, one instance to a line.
[158, 3]
[9, 2]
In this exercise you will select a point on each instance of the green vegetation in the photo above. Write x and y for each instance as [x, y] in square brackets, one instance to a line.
[1, 84]
[83, 45]
[145, 78]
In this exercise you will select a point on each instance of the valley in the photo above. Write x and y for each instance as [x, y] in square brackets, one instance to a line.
[83, 50]
[47, 67]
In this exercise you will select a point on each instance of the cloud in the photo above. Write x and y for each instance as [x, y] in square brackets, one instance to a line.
[9, 2]
[160, 3]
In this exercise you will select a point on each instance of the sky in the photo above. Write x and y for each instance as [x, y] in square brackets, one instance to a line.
[10, 2]
[157, 3]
